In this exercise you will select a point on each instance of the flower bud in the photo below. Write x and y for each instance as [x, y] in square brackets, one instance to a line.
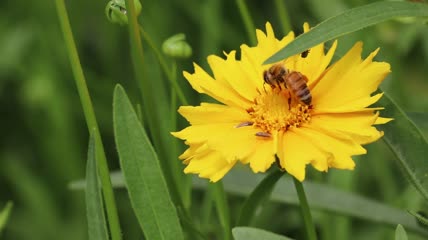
[177, 47]
[116, 11]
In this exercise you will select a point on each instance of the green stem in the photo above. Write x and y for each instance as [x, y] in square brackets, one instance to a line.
[148, 97]
[306, 213]
[248, 22]
[283, 15]
[206, 209]
[91, 122]
[175, 163]
[149, 110]
[137, 53]
[172, 80]
[222, 208]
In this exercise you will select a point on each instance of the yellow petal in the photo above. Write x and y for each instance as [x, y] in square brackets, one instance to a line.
[230, 72]
[295, 151]
[252, 58]
[357, 126]
[262, 155]
[193, 150]
[343, 162]
[316, 61]
[232, 142]
[382, 120]
[349, 79]
[314, 65]
[204, 133]
[211, 165]
[204, 83]
[339, 146]
[356, 105]
[240, 143]
[213, 113]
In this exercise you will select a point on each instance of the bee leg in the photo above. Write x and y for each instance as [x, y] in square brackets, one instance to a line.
[263, 134]
[244, 124]
[289, 103]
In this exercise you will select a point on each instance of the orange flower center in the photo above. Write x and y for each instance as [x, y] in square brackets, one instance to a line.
[275, 110]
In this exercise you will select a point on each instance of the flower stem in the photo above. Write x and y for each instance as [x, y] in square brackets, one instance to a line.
[164, 67]
[222, 208]
[284, 19]
[113, 219]
[148, 97]
[174, 162]
[306, 213]
[248, 22]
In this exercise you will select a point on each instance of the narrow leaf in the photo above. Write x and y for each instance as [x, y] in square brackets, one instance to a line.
[322, 197]
[247, 233]
[97, 225]
[260, 194]
[4, 215]
[350, 21]
[421, 217]
[407, 143]
[146, 185]
[420, 119]
[400, 233]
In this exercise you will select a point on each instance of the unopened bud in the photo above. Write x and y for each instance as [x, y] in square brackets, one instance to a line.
[177, 47]
[116, 11]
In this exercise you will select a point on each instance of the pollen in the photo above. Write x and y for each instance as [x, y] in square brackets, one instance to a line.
[275, 111]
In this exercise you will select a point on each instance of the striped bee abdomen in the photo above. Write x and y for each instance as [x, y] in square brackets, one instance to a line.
[296, 83]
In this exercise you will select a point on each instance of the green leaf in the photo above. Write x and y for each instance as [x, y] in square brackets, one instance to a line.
[350, 21]
[322, 197]
[146, 185]
[260, 194]
[97, 225]
[4, 215]
[421, 217]
[420, 119]
[400, 233]
[407, 143]
[248, 233]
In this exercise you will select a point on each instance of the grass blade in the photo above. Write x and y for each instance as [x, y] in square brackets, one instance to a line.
[247, 233]
[4, 215]
[146, 185]
[321, 197]
[327, 198]
[420, 119]
[350, 21]
[400, 233]
[421, 217]
[260, 194]
[408, 144]
[97, 226]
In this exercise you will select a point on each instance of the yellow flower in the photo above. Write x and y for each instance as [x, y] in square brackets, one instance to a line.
[257, 121]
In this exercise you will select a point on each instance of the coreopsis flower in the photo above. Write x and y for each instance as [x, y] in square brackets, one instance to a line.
[323, 120]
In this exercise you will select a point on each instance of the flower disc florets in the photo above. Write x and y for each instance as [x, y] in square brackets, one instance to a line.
[271, 112]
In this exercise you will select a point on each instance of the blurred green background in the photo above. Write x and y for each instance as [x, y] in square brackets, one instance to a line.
[44, 135]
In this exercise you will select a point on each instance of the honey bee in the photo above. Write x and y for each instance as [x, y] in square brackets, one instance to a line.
[294, 81]
[275, 75]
